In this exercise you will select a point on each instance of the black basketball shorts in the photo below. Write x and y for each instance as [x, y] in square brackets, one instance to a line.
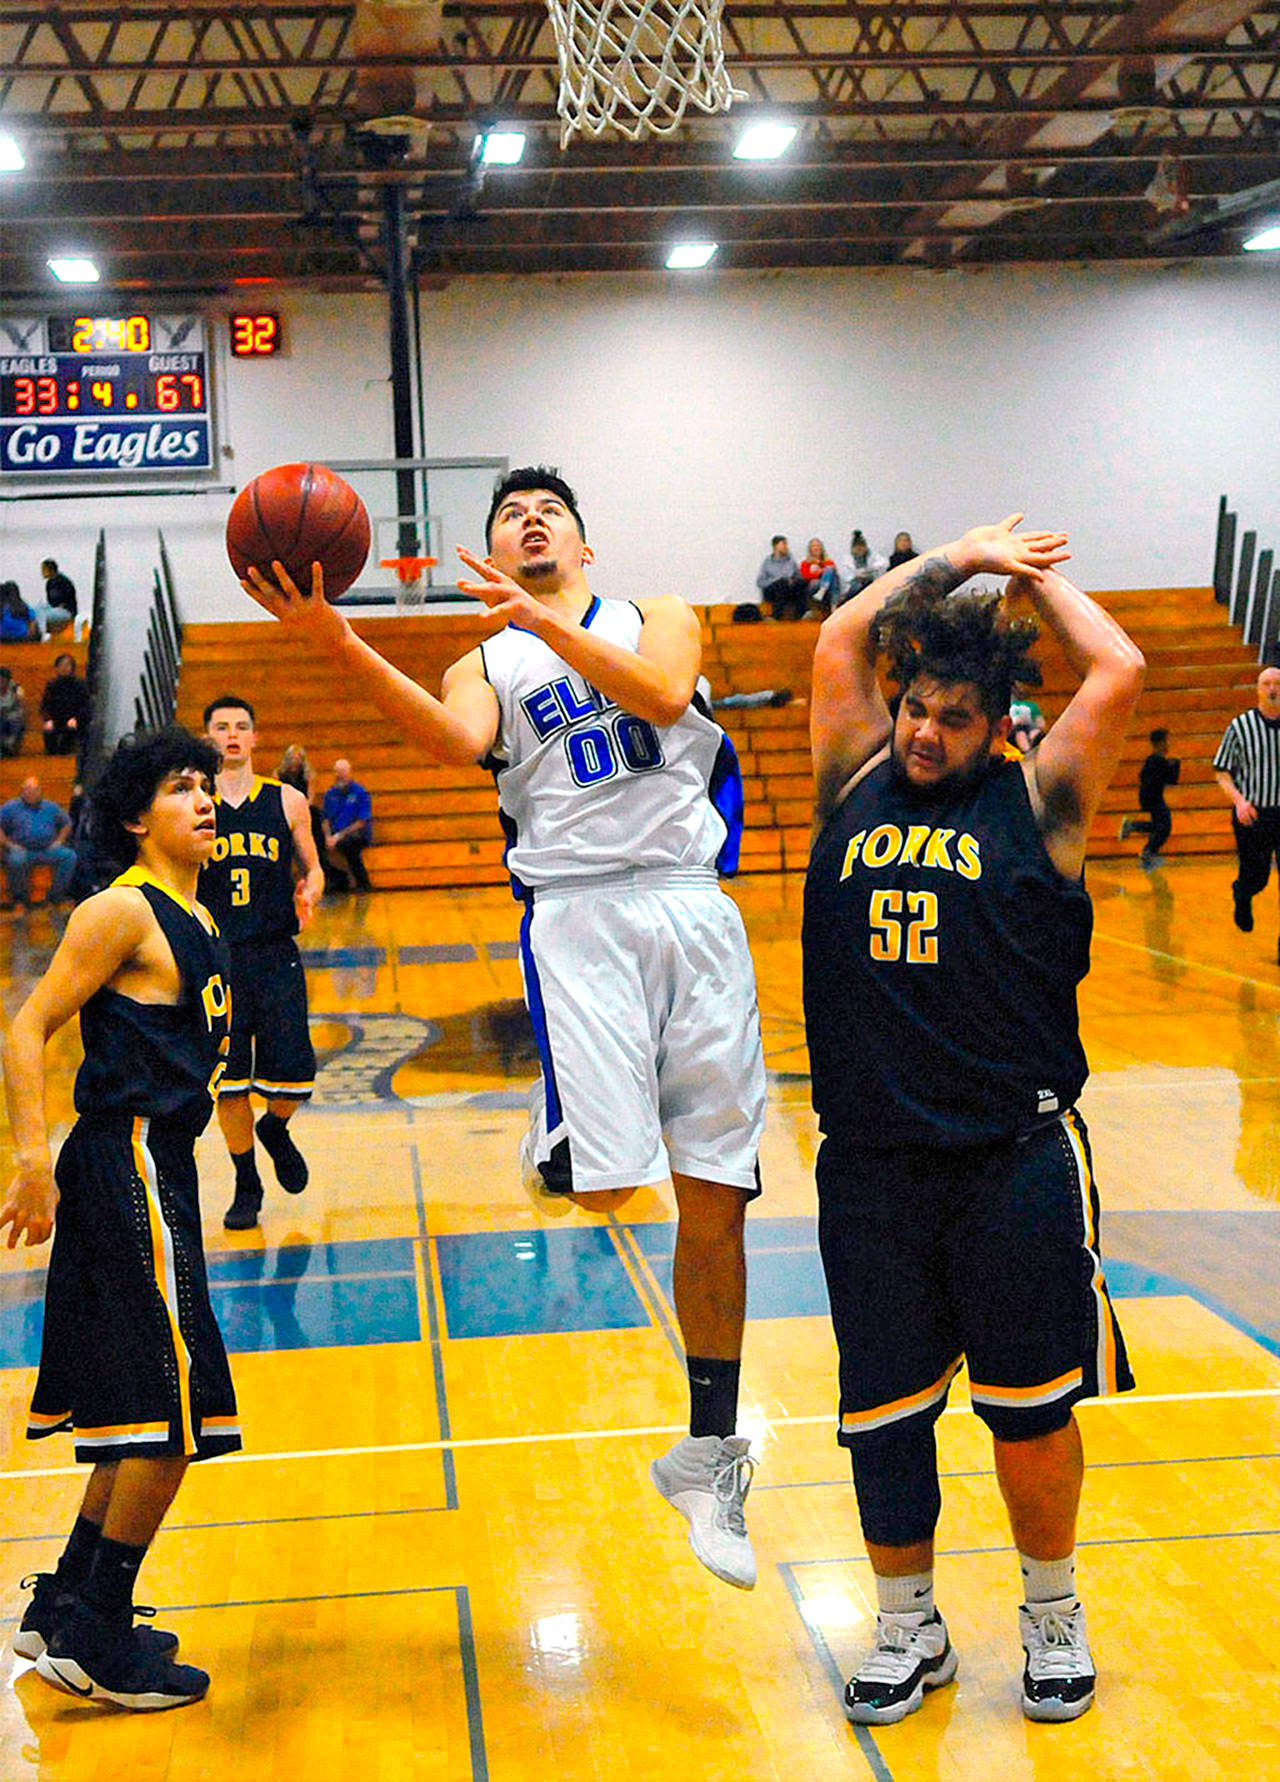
[987, 1254]
[132, 1359]
[271, 1049]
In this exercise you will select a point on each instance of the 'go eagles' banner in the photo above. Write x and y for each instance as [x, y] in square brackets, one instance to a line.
[65, 445]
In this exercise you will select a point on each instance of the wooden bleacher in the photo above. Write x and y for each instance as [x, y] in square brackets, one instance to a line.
[32, 665]
[439, 826]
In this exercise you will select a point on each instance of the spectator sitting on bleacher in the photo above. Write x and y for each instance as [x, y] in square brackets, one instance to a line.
[64, 708]
[34, 829]
[59, 607]
[13, 714]
[16, 621]
[860, 568]
[781, 583]
[903, 549]
[348, 827]
[821, 576]
[295, 770]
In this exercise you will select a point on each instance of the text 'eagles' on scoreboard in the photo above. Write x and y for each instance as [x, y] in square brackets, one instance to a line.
[82, 394]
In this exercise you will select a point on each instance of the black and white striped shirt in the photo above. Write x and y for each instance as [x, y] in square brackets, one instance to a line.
[1250, 753]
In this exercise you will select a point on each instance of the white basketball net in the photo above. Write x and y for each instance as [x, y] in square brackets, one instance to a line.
[634, 65]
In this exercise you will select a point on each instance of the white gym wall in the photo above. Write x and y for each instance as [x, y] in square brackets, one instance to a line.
[697, 414]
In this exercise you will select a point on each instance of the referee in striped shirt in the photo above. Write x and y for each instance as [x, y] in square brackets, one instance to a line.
[1247, 767]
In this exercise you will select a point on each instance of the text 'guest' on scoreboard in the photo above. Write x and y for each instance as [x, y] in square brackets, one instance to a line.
[86, 394]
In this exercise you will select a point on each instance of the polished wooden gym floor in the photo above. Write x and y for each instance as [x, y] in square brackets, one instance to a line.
[440, 1555]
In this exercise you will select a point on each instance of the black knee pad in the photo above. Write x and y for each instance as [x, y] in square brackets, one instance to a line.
[895, 1474]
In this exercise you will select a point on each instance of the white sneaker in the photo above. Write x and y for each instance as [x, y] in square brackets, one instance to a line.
[890, 1682]
[1059, 1678]
[707, 1479]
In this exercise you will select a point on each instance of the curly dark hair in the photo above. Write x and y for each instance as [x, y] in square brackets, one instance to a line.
[958, 637]
[131, 779]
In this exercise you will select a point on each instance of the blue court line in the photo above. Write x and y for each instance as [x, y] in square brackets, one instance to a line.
[466, 1644]
[301, 1296]
[341, 958]
[1161, 1540]
[448, 953]
[433, 1333]
[989, 1472]
[508, 949]
[506, 1283]
[862, 1734]
[787, 1570]
[249, 1522]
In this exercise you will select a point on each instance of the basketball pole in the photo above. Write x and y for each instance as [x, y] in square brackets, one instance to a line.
[397, 257]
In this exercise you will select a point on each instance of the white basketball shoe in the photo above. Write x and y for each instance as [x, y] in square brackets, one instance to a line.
[707, 1479]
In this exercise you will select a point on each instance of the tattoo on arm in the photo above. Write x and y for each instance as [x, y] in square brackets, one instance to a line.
[936, 577]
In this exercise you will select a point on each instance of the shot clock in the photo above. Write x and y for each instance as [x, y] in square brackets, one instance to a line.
[108, 393]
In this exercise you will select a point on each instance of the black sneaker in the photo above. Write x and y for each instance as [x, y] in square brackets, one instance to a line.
[1242, 910]
[890, 1682]
[99, 1660]
[49, 1605]
[290, 1164]
[242, 1214]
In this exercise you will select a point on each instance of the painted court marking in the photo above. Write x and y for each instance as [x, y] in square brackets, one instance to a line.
[1121, 1401]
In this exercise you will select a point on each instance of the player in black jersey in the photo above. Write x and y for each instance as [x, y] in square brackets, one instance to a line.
[131, 1359]
[264, 830]
[946, 930]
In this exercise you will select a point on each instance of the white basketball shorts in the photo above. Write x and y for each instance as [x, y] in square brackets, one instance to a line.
[643, 1000]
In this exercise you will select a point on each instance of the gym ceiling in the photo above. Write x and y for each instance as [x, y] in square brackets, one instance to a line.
[194, 147]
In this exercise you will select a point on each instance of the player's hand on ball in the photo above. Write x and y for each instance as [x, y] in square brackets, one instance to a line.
[1001, 550]
[30, 1205]
[504, 598]
[307, 611]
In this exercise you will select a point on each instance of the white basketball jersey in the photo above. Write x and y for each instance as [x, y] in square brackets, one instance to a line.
[587, 789]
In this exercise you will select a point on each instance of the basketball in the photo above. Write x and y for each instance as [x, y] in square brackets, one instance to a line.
[299, 514]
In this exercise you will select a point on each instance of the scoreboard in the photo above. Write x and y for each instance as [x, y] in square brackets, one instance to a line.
[92, 394]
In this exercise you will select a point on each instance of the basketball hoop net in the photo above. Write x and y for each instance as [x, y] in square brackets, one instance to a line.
[409, 575]
[634, 65]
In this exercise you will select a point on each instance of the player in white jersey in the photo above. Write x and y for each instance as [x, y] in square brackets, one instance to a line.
[620, 797]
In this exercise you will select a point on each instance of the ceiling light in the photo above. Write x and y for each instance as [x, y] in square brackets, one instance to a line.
[1264, 239]
[687, 256]
[74, 270]
[764, 142]
[502, 148]
[12, 159]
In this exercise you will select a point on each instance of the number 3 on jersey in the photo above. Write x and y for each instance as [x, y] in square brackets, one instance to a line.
[885, 917]
[239, 886]
[594, 754]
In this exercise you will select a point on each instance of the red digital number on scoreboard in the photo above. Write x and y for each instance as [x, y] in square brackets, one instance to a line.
[254, 336]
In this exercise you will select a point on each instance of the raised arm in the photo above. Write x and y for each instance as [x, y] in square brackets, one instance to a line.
[100, 936]
[655, 681]
[459, 729]
[1069, 771]
[849, 720]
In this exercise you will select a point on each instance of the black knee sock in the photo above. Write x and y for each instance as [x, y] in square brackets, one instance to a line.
[109, 1586]
[246, 1169]
[713, 1396]
[271, 1129]
[77, 1556]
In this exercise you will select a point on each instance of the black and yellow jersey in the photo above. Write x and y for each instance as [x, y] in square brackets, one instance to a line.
[160, 1060]
[942, 952]
[247, 885]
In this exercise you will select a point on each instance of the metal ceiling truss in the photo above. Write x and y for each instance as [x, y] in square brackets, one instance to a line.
[194, 145]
